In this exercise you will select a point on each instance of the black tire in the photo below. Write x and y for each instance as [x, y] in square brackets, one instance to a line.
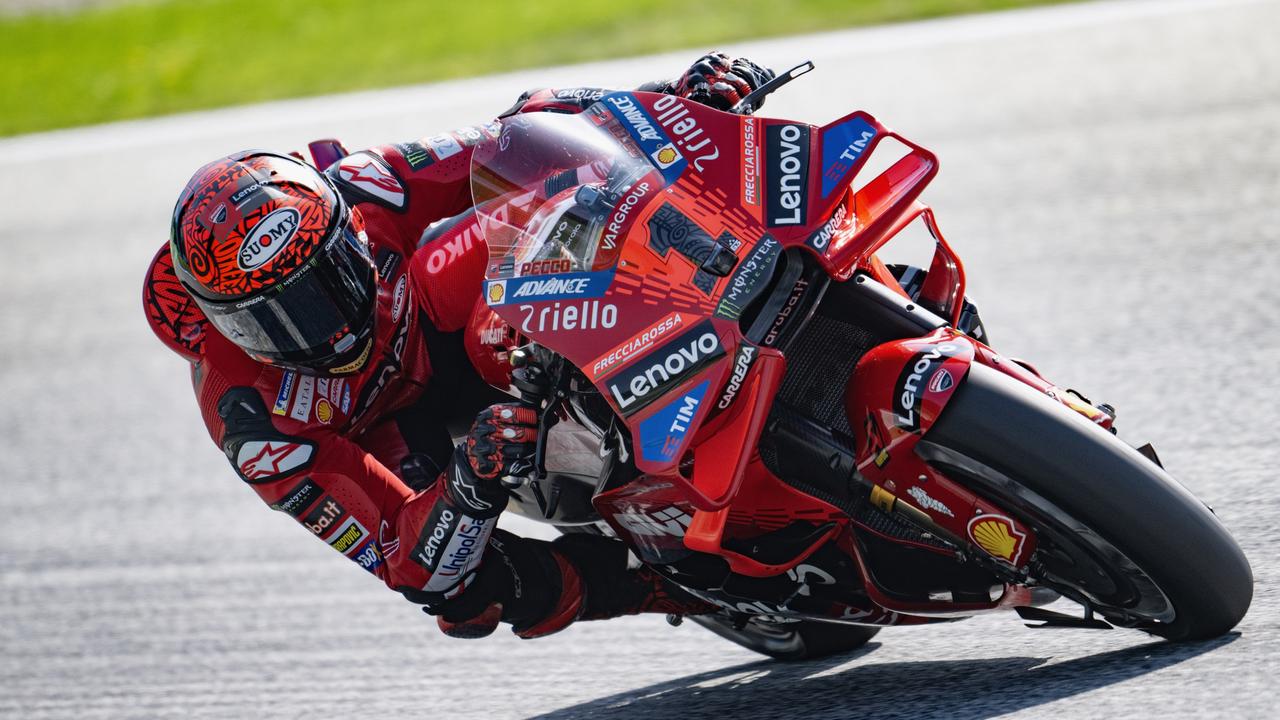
[803, 640]
[1089, 476]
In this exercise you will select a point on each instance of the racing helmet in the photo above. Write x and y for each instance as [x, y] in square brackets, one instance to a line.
[278, 262]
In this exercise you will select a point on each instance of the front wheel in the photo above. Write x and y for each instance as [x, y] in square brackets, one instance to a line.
[1114, 530]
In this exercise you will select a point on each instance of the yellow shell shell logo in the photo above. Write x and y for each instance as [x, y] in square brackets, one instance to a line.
[997, 535]
[496, 291]
[324, 411]
[667, 155]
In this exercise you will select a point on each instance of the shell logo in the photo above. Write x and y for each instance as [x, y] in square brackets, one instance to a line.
[667, 155]
[998, 536]
[496, 292]
[324, 411]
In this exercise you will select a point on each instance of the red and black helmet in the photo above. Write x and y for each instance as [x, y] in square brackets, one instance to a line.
[277, 261]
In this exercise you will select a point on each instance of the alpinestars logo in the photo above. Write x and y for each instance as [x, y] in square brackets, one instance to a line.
[260, 460]
[371, 176]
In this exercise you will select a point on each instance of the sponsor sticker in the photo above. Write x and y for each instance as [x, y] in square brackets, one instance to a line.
[941, 381]
[324, 410]
[585, 315]
[267, 238]
[675, 116]
[749, 279]
[644, 130]
[284, 393]
[842, 145]
[444, 146]
[538, 288]
[348, 536]
[261, 460]
[644, 381]
[462, 553]
[820, 240]
[415, 155]
[370, 175]
[997, 535]
[435, 534]
[742, 362]
[397, 298]
[302, 402]
[299, 498]
[928, 502]
[324, 517]
[663, 433]
[751, 168]
[787, 191]
[620, 355]
[346, 400]
[907, 390]
[368, 556]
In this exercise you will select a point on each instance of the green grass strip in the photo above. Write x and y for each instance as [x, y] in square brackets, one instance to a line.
[136, 60]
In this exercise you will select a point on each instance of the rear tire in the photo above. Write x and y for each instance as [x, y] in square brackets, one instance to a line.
[1095, 479]
[803, 640]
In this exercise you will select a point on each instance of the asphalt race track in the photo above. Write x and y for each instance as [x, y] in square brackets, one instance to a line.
[1110, 174]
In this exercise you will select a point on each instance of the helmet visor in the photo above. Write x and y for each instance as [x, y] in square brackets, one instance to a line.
[317, 313]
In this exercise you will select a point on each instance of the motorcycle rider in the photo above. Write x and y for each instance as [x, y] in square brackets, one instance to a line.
[323, 316]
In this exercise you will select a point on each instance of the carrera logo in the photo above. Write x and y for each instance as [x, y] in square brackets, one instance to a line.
[906, 392]
[268, 238]
[586, 315]
[822, 238]
[259, 460]
[684, 357]
[741, 364]
[787, 149]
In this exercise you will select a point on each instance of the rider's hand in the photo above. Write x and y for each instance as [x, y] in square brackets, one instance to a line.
[719, 81]
[500, 442]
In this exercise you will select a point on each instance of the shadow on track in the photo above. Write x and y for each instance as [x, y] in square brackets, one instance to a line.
[942, 689]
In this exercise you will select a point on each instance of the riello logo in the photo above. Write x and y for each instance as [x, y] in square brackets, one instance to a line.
[268, 238]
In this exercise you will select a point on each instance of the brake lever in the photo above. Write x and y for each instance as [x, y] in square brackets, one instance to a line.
[748, 104]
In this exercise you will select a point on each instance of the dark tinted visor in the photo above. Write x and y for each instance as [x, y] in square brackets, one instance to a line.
[316, 313]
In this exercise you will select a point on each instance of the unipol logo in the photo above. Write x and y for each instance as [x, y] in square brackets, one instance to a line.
[268, 238]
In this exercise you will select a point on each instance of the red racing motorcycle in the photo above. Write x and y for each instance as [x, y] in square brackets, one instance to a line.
[818, 443]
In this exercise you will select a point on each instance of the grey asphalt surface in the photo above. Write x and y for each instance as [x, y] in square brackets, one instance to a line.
[1110, 174]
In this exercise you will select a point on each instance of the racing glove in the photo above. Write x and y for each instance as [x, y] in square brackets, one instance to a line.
[718, 81]
[501, 440]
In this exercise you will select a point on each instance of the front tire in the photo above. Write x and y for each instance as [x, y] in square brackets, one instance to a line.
[1085, 475]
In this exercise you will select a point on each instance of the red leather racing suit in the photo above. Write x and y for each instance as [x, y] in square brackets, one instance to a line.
[356, 460]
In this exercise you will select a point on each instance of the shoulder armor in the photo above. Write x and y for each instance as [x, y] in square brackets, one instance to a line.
[259, 453]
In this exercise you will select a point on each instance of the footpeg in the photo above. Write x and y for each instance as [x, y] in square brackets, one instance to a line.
[1049, 618]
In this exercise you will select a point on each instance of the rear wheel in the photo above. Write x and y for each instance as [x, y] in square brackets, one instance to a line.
[1114, 530]
[803, 640]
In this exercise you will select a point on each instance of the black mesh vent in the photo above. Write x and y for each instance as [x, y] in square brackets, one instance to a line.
[819, 362]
